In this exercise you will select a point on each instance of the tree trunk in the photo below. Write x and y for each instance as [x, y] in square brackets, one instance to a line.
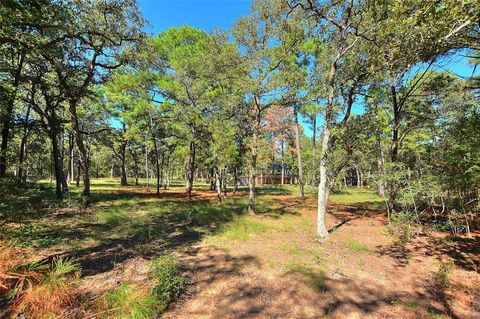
[191, 165]
[71, 158]
[166, 172]
[361, 176]
[162, 169]
[135, 165]
[234, 190]
[314, 147]
[283, 161]
[299, 156]
[123, 168]
[84, 160]
[23, 145]
[323, 189]
[357, 172]
[380, 156]
[111, 168]
[224, 182]
[146, 164]
[56, 164]
[253, 174]
[7, 118]
[218, 186]
[157, 164]
[394, 145]
[79, 172]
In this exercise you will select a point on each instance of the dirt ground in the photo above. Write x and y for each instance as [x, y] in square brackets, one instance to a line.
[269, 265]
[288, 274]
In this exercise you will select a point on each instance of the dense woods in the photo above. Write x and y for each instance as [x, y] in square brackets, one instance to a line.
[325, 95]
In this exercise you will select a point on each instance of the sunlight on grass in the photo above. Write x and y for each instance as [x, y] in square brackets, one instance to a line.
[240, 229]
[356, 195]
[357, 246]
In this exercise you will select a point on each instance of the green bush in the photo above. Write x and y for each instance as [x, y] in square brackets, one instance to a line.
[402, 225]
[441, 278]
[169, 282]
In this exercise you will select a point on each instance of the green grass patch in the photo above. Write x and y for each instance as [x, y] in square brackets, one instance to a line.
[357, 195]
[241, 229]
[357, 246]
[411, 305]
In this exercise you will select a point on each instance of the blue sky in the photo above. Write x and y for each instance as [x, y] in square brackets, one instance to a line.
[203, 14]
[209, 15]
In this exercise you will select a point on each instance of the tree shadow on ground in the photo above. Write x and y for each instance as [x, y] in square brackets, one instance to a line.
[463, 251]
[179, 223]
[346, 213]
[226, 287]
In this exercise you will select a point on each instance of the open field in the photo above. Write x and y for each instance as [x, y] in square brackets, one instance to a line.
[241, 266]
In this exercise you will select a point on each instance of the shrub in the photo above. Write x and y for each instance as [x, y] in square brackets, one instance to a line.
[169, 282]
[441, 277]
[402, 225]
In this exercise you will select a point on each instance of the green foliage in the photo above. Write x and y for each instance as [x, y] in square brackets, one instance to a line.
[169, 283]
[441, 278]
[403, 225]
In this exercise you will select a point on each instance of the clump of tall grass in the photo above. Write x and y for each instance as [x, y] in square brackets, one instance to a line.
[169, 282]
[129, 302]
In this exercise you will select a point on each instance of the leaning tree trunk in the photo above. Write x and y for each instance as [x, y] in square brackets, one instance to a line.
[299, 157]
[323, 189]
[394, 144]
[84, 160]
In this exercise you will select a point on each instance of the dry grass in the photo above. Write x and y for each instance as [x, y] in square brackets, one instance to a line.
[36, 290]
[10, 257]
